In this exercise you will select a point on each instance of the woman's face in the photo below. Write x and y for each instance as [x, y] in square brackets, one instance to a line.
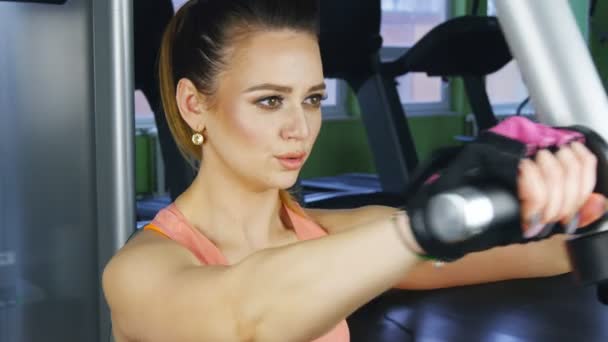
[267, 109]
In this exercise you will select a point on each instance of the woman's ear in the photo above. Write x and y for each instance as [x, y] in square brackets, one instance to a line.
[191, 104]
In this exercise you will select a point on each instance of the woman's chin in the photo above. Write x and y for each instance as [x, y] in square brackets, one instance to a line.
[286, 181]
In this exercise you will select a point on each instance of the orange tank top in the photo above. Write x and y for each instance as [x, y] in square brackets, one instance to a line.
[171, 223]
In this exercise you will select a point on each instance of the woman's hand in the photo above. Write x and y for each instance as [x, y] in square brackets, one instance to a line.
[557, 187]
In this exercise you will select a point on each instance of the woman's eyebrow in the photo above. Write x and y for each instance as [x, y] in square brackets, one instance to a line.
[281, 89]
[318, 87]
[269, 86]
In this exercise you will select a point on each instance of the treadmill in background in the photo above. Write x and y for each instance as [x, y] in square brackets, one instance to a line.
[470, 47]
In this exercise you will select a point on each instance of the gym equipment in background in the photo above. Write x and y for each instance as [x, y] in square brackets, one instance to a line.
[575, 96]
[566, 90]
[470, 47]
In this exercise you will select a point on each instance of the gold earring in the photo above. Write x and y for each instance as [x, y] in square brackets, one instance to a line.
[198, 139]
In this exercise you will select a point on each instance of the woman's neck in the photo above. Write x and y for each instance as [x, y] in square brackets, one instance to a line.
[231, 215]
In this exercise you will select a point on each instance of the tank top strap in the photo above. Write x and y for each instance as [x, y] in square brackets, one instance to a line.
[171, 223]
[305, 227]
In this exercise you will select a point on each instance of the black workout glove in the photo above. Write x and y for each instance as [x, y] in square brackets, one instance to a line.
[492, 159]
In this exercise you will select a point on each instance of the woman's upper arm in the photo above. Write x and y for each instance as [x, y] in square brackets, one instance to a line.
[157, 292]
[338, 220]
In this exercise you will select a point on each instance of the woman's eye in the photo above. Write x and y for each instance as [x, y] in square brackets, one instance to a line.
[316, 100]
[271, 102]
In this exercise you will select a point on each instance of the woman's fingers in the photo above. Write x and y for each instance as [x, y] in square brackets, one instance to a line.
[532, 195]
[588, 176]
[554, 176]
[593, 209]
[557, 187]
[570, 183]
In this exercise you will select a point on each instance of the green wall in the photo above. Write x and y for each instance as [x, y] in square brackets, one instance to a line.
[342, 145]
[580, 8]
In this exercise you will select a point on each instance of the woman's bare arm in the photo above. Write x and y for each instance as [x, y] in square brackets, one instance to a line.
[295, 293]
[535, 259]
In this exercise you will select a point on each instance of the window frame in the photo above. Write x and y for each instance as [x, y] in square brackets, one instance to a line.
[338, 111]
[509, 109]
[505, 109]
[145, 122]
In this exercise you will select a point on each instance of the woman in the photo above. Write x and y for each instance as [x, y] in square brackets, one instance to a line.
[234, 257]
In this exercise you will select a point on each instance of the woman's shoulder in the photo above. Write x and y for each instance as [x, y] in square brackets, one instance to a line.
[144, 257]
[140, 276]
[153, 246]
[339, 220]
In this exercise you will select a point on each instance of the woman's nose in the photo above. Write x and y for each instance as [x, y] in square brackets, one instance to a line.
[297, 126]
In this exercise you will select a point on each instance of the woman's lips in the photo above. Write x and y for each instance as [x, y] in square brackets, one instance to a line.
[292, 161]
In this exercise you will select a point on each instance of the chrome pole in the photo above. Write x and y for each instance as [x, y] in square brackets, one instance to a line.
[555, 62]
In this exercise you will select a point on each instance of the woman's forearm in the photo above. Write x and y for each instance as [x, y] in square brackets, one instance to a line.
[535, 259]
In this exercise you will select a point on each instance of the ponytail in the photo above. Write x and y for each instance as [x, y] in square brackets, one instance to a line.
[168, 84]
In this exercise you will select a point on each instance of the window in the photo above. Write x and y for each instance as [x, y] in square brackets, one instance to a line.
[178, 3]
[404, 22]
[505, 87]
[144, 117]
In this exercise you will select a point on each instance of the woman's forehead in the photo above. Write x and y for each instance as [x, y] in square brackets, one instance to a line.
[278, 57]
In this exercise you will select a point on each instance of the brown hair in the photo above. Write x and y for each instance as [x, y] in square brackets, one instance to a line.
[195, 45]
